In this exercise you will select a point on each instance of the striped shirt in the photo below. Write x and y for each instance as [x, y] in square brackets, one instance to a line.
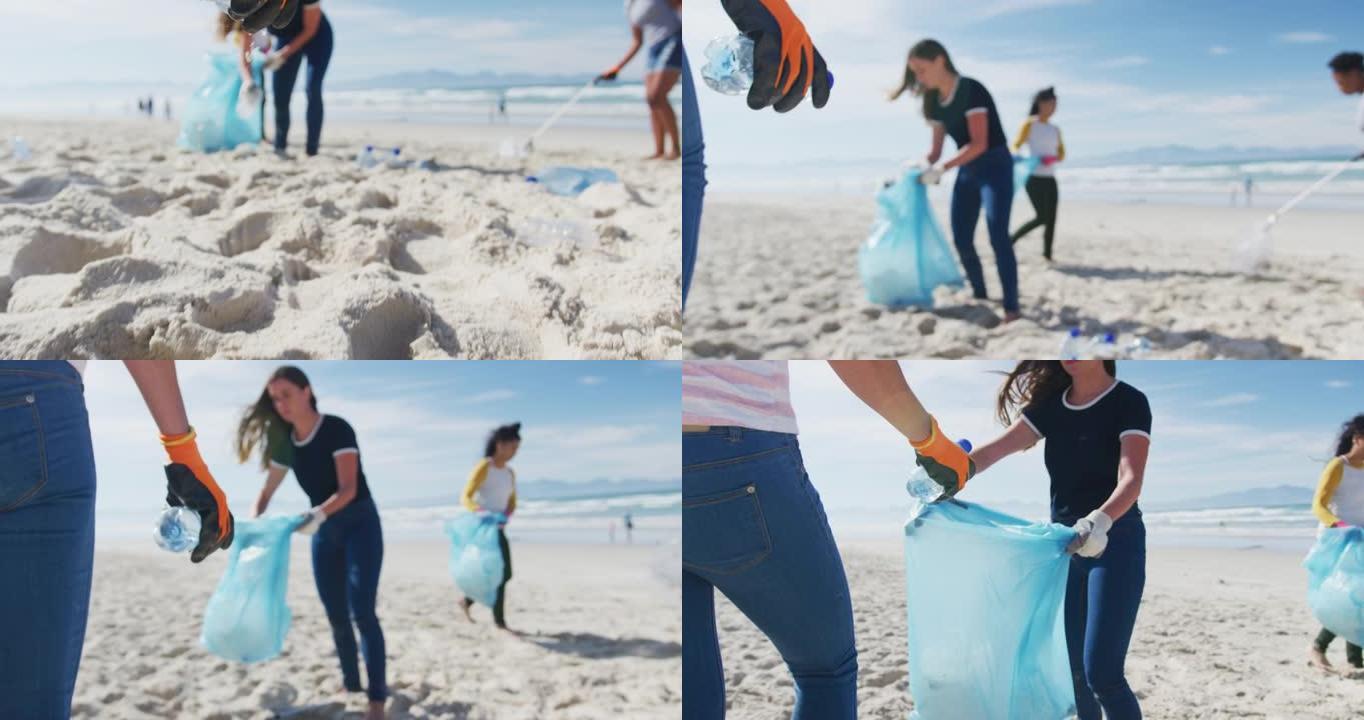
[753, 394]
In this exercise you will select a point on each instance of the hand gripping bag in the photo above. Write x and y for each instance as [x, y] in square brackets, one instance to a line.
[906, 255]
[1024, 167]
[475, 557]
[1335, 582]
[247, 616]
[210, 121]
[986, 597]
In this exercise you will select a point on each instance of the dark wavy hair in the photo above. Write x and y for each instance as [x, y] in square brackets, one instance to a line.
[261, 425]
[1349, 430]
[1032, 382]
[926, 49]
[1043, 95]
[503, 433]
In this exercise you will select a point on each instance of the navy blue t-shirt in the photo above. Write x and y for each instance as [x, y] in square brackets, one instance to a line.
[313, 459]
[295, 26]
[968, 98]
[1084, 445]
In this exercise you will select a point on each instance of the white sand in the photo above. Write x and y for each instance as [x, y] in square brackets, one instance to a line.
[1220, 634]
[113, 243]
[777, 277]
[601, 639]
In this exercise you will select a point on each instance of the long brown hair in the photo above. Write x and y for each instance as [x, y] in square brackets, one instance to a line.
[227, 26]
[261, 425]
[1032, 382]
[927, 49]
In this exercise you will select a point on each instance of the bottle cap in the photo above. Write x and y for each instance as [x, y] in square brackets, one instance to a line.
[964, 444]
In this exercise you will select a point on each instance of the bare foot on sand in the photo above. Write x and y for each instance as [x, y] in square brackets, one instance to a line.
[674, 155]
[465, 605]
[1317, 659]
[375, 711]
[1011, 316]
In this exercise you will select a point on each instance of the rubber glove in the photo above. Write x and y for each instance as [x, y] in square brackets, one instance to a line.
[257, 14]
[1048, 160]
[1341, 524]
[1091, 534]
[312, 520]
[248, 100]
[275, 60]
[930, 176]
[609, 75]
[943, 460]
[190, 484]
[786, 64]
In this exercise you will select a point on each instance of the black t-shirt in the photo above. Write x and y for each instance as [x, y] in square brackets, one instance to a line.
[1084, 444]
[313, 459]
[295, 26]
[968, 98]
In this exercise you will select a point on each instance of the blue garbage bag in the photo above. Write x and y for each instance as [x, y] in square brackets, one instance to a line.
[475, 557]
[987, 637]
[906, 255]
[1335, 582]
[1024, 167]
[210, 121]
[572, 181]
[247, 616]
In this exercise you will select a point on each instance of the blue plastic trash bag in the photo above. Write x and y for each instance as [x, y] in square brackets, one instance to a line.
[210, 121]
[247, 617]
[571, 181]
[1335, 582]
[906, 255]
[1024, 167]
[987, 637]
[475, 557]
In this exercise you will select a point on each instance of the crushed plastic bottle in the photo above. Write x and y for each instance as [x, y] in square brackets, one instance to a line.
[394, 158]
[19, 149]
[729, 65]
[177, 529]
[1137, 349]
[571, 181]
[1104, 347]
[922, 487]
[1073, 346]
[540, 232]
[365, 158]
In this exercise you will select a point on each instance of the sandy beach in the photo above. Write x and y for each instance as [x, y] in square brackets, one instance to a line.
[600, 638]
[777, 277]
[1222, 633]
[113, 243]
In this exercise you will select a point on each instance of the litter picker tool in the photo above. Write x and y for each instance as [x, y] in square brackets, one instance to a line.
[525, 148]
[1254, 250]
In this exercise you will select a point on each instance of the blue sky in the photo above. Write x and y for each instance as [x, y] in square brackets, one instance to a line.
[1129, 74]
[1218, 426]
[102, 41]
[421, 425]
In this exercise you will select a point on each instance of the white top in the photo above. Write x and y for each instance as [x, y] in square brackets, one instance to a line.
[1347, 503]
[656, 18]
[79, 365]
[754, 394]
[1044, 140]
[496, 490]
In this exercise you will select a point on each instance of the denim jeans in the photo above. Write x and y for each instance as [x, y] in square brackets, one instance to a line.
[318, 51]
[988, 179]
[1102, 598]
[348, 551]
[47, 536]
[754, 528]
[693, 176]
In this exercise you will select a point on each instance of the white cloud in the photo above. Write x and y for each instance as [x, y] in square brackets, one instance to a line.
[1009, 7]
[591, 380]
[1338, 384]
[489, 396]
[1304, 37]
[1125, 61]
[1218, 50]
[1232, 400]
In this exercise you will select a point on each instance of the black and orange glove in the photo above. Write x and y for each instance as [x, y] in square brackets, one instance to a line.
[786, 64]
[945, 462]
[257, 14]
[190, 484]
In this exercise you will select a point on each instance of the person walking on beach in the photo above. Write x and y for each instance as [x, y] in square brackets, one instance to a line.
[656, 26]
[492, 488]
[1347, 69]
[629, 529]
[1097, 431]
[1339, 502]
[308, 35]
[1044, 142]
[753, 526]
[1250, 189]
[347, 540]
[961, 107]
[47, 519]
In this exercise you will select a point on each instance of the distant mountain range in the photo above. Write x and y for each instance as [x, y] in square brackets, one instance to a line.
[442, 80]
[1183, 154]
[1253, 497]
[560, 490]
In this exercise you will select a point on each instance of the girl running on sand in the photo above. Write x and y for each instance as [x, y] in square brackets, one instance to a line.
[1044, 143]
[492, 488]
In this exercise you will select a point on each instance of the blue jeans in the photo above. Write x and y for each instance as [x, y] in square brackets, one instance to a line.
[988, 179]
[754, 528]
[47, 536]
[693, 176]
[1102, 597]
[318, 51]
[348, 551]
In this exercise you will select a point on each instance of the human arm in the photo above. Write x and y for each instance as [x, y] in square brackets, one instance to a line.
[1326, 489]
[939, 135]
[273, 478]
[978, 125]
[1023, 133]
[312, 20]
[1018, 437]
[636, 42]
[476, 478]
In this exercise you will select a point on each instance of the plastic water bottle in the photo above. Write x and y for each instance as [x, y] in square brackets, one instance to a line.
[922, 488]
[1073, 347]
[365, 158]
[571, 181]
[177, 530]
[539, 232]
[394, 158]
[19, 149]
[729, 65]
[1104, 347]
[1137, 349]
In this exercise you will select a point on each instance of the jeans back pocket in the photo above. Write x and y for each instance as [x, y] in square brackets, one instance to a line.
[23, 459]
[724, 533]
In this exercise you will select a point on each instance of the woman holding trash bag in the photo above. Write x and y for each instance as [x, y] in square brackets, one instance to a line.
[1339, 502]
[962, 108]
[347, 543]
[307, 35]
[1098, 433]
[753, 526]
[656, 26]
[47, 519]
[1044, 143]
[492, 488]
[253, 80]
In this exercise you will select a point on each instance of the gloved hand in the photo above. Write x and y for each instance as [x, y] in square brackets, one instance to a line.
[257, 14]
[190, 484]
[786, 64]
[1048, 160]
[609, 75]
[248, 100]
[930, 176]
[1340, 524]
[275, 60]
[1091, 534]
[943, 460]
[312, 520]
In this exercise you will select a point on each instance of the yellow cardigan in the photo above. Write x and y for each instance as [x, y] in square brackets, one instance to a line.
[476, 478]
